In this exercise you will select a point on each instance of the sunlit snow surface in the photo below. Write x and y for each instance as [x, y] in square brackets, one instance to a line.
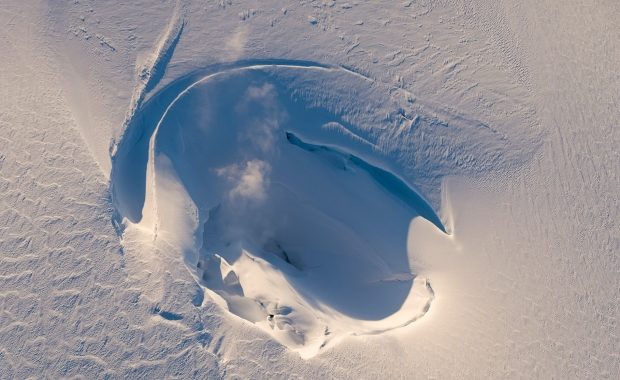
[348, 126]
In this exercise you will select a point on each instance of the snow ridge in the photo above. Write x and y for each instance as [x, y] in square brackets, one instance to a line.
[152, 70]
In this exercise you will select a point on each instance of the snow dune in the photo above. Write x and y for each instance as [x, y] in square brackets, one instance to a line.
[289, 217]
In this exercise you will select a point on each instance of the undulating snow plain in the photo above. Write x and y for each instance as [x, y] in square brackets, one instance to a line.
[309, 189]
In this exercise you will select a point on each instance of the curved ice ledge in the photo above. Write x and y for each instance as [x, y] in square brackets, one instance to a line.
[384, 178]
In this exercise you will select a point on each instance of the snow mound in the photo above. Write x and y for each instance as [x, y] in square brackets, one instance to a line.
[288, 214]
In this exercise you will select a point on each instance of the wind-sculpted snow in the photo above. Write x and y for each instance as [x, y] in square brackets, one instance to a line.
[260, 200]
[387, 180]
[288, 211]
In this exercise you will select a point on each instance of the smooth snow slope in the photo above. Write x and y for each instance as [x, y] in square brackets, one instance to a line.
[502, 115]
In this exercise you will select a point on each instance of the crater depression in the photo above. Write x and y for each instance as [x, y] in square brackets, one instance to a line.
[286, 213]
